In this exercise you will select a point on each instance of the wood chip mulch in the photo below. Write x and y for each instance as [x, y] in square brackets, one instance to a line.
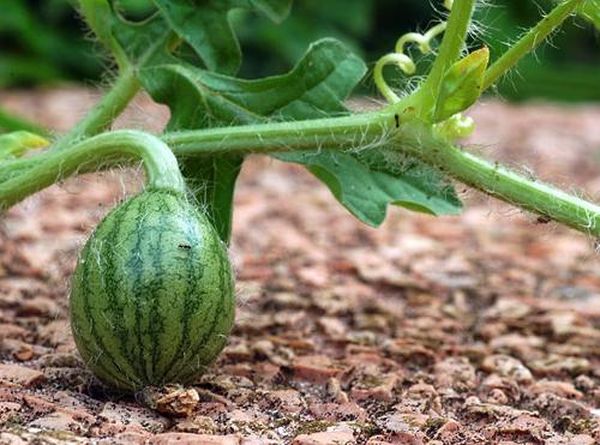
[478, 329]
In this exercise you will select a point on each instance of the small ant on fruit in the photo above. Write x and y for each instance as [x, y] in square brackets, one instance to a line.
[185, 246]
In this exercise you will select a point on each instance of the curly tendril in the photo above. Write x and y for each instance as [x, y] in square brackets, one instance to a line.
[422, 40]
[403, 61]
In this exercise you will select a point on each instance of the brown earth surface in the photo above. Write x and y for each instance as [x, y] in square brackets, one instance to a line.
[478, 329]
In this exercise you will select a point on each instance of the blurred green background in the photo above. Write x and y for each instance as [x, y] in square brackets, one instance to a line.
[45, 43]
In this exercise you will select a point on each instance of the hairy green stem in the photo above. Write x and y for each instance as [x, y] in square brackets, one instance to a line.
[529, 41]
[504, 184]
[450, 49]
[382, 128]
[109, 149]
[331, 133]
[105, 111]
[97, 15]
[11, 122]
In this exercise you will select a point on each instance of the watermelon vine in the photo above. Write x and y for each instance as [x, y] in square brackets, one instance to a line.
[152, 298]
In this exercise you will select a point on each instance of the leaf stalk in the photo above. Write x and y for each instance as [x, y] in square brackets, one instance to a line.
[529, 41]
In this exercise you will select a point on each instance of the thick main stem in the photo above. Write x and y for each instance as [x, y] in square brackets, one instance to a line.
[502, 183]
[412, 138]
[109, 149]
[340, 133]
[528, 42]
[375, 130]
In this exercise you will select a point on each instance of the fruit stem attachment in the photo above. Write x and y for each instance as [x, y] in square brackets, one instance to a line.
[529, 41]
[162, 170]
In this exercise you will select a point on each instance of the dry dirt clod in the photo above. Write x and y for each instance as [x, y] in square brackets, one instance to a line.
[559, 388]
[507, 366]
[57, 421]
[193, 439]
[38, 307]
[315, 368]
[120, 417]
[336, 434]
[11, 374]
[288, 401]
[172, 400]
[555, 365]
[9, 330]
[9, 411]
[197, 425]
[19, 350]
[456, 373]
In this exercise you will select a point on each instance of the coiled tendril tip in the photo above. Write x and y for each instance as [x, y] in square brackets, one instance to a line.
[403, 61]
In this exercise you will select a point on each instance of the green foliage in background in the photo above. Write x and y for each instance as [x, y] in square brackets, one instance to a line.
[43, 42]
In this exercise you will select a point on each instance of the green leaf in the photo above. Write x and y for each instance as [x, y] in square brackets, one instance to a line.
[461, 86]
[366, 192]
[207, 29]
[17, 143]
[199, 98]
[212, 180]
[138, 33]
[138, 43]
[204, 24]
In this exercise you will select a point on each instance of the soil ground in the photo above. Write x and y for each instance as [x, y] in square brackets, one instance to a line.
[477, 329]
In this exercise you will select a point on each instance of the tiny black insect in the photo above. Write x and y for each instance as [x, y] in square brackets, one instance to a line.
[543, 219]
[184, 246]
[397, 118]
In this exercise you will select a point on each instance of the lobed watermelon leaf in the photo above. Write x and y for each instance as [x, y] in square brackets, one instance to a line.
[201, 98]
[366, 192]
[204, 24]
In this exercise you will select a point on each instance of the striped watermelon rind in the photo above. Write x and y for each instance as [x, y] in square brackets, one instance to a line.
[152, 297]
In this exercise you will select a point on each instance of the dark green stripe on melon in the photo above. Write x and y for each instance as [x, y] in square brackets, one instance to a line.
[152, 298]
